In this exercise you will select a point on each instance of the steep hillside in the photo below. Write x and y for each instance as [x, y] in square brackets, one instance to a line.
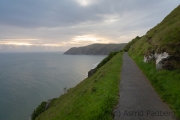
[92, 99]
[163, 38]
[158, 55]
[95, 49]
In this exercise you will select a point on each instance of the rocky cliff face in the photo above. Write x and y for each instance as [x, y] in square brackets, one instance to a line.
[91, 72]
[159, 59]
[95, 49]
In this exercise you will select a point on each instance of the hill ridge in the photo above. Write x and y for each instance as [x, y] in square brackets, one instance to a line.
[95, 49]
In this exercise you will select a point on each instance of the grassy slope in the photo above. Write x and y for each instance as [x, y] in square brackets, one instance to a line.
[92, 99]
[127, 47]
[163, 37]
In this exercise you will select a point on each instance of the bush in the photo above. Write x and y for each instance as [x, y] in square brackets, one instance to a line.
[105, 60]
[41, 108]
[126, 48]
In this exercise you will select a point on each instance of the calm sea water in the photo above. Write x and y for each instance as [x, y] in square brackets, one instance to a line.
[27, 79]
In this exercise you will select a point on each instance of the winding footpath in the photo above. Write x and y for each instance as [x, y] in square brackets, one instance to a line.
[138, 100]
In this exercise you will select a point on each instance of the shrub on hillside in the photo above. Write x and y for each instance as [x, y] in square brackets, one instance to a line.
[126, 48]
[41, 108]
[105, 60]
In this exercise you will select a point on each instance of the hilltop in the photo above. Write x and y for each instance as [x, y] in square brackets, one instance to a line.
[95, 49]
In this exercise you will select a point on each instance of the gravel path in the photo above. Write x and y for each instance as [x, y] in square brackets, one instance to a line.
[138, 100]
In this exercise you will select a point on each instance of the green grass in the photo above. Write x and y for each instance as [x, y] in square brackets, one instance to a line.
[164, 37]
[166, 83]
[92, 99]
[40, 109]
[127, 47]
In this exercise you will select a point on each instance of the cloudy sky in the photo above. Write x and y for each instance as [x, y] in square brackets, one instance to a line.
[57, 25]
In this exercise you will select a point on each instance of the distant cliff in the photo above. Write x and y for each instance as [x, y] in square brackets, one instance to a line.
[95, 49]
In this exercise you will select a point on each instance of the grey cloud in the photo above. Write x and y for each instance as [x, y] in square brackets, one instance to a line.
[58, 21]
[45, 13]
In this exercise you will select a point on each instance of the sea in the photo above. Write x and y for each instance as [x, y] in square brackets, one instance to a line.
[27, 79]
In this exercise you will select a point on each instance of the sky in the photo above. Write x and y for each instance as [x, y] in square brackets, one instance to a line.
[57, 25]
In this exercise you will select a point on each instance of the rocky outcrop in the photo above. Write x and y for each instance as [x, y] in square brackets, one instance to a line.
[47, 104]
[162, 60]
[148, 58]
[159, 59]
[91, 72]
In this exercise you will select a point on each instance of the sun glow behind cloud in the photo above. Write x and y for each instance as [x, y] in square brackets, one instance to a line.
[29, 42]
[85, 2]
[17, 43]
[88, 39]
[26, 42]
[30, 46]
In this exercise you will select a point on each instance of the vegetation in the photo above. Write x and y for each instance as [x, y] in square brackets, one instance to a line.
[92, 99]
[105, 60]
[40, 109]
[163, 37]
[126, 48]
